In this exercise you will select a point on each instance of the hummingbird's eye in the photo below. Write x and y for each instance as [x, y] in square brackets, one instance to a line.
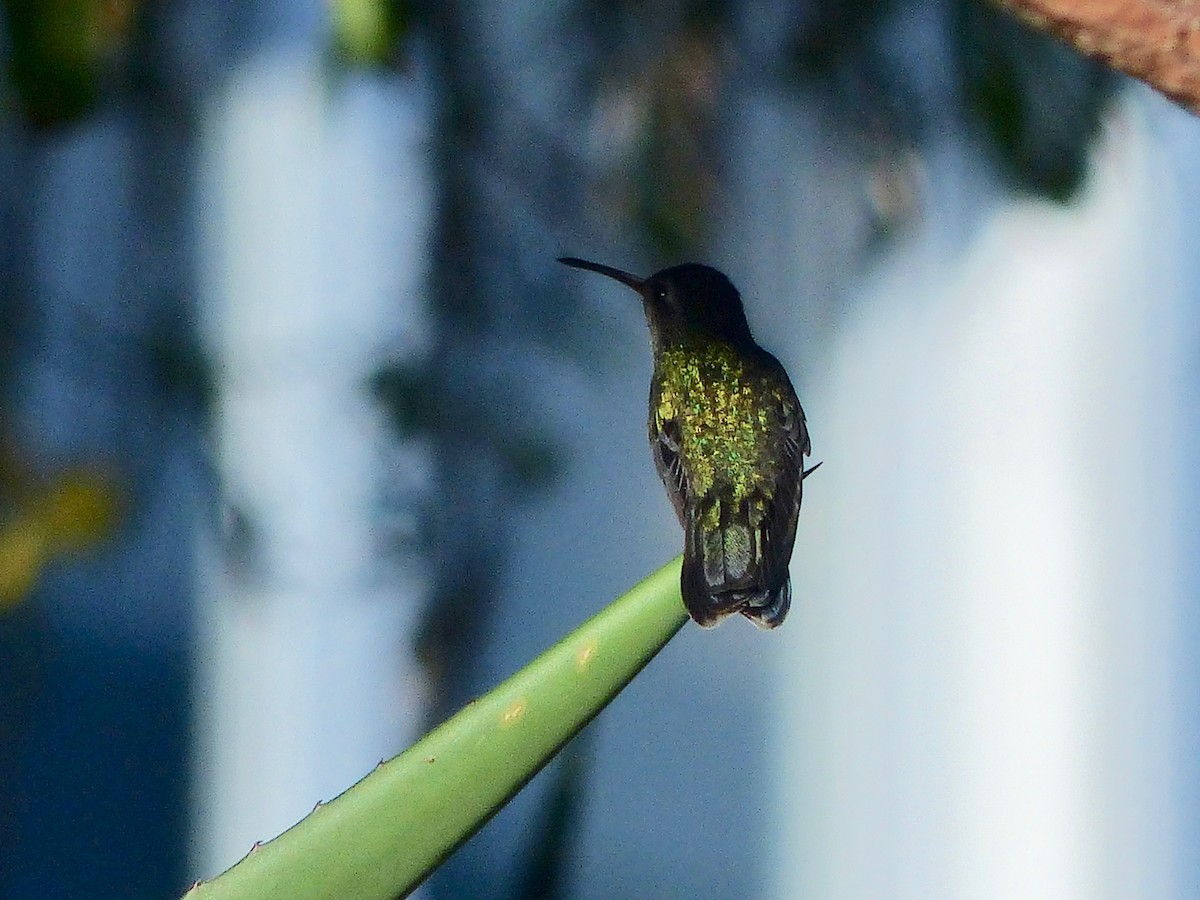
[660, 292]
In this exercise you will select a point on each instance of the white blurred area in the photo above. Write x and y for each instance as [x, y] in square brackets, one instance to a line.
[980, 697]
[316, 214]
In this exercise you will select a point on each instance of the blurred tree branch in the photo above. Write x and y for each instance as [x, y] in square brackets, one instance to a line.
[1157, 41]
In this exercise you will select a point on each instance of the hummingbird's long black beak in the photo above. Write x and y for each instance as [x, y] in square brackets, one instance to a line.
[624, 277]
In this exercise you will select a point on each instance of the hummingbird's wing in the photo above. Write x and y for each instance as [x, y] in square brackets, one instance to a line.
[778, 514]
[664, 445]
[778, 528]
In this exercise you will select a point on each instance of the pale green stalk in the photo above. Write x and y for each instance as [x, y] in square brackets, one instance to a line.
[384, 835]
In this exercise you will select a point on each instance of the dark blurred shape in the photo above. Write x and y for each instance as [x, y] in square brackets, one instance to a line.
[181, 368]
[60, 52]
[528, 457]
[1037, 100]
[404, 393]
[662, 72]
[1034, 101]
[548, 869]
[675, 180]
[829, 32]
[99, 735]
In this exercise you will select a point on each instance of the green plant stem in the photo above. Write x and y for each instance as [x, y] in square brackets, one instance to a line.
[385, 834]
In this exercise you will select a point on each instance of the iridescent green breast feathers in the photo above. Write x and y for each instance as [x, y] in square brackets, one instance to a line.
[728, 437]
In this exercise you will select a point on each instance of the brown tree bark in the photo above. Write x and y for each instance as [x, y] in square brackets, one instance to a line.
[1157, 41]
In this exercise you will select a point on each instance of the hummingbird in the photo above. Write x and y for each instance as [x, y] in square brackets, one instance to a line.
[728, 437]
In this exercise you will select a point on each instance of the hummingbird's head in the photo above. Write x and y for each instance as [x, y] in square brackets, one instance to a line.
[686, 299]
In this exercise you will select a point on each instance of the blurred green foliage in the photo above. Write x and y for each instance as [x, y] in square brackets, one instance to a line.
[1036, 101]
[60, 52]
[369, 33]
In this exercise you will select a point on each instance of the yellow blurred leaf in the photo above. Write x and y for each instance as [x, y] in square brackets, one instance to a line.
[70, 514]
[23, 554]
[80, 509]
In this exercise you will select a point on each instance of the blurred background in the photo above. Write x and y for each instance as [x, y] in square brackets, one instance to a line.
[305, 439]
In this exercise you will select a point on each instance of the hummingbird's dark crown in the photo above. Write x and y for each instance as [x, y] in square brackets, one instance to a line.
[697, 298]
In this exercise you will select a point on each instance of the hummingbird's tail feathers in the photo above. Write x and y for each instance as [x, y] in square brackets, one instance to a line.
[810, 470]
[705, 607]
[727, 567]
[717, 564]
[773, 611]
